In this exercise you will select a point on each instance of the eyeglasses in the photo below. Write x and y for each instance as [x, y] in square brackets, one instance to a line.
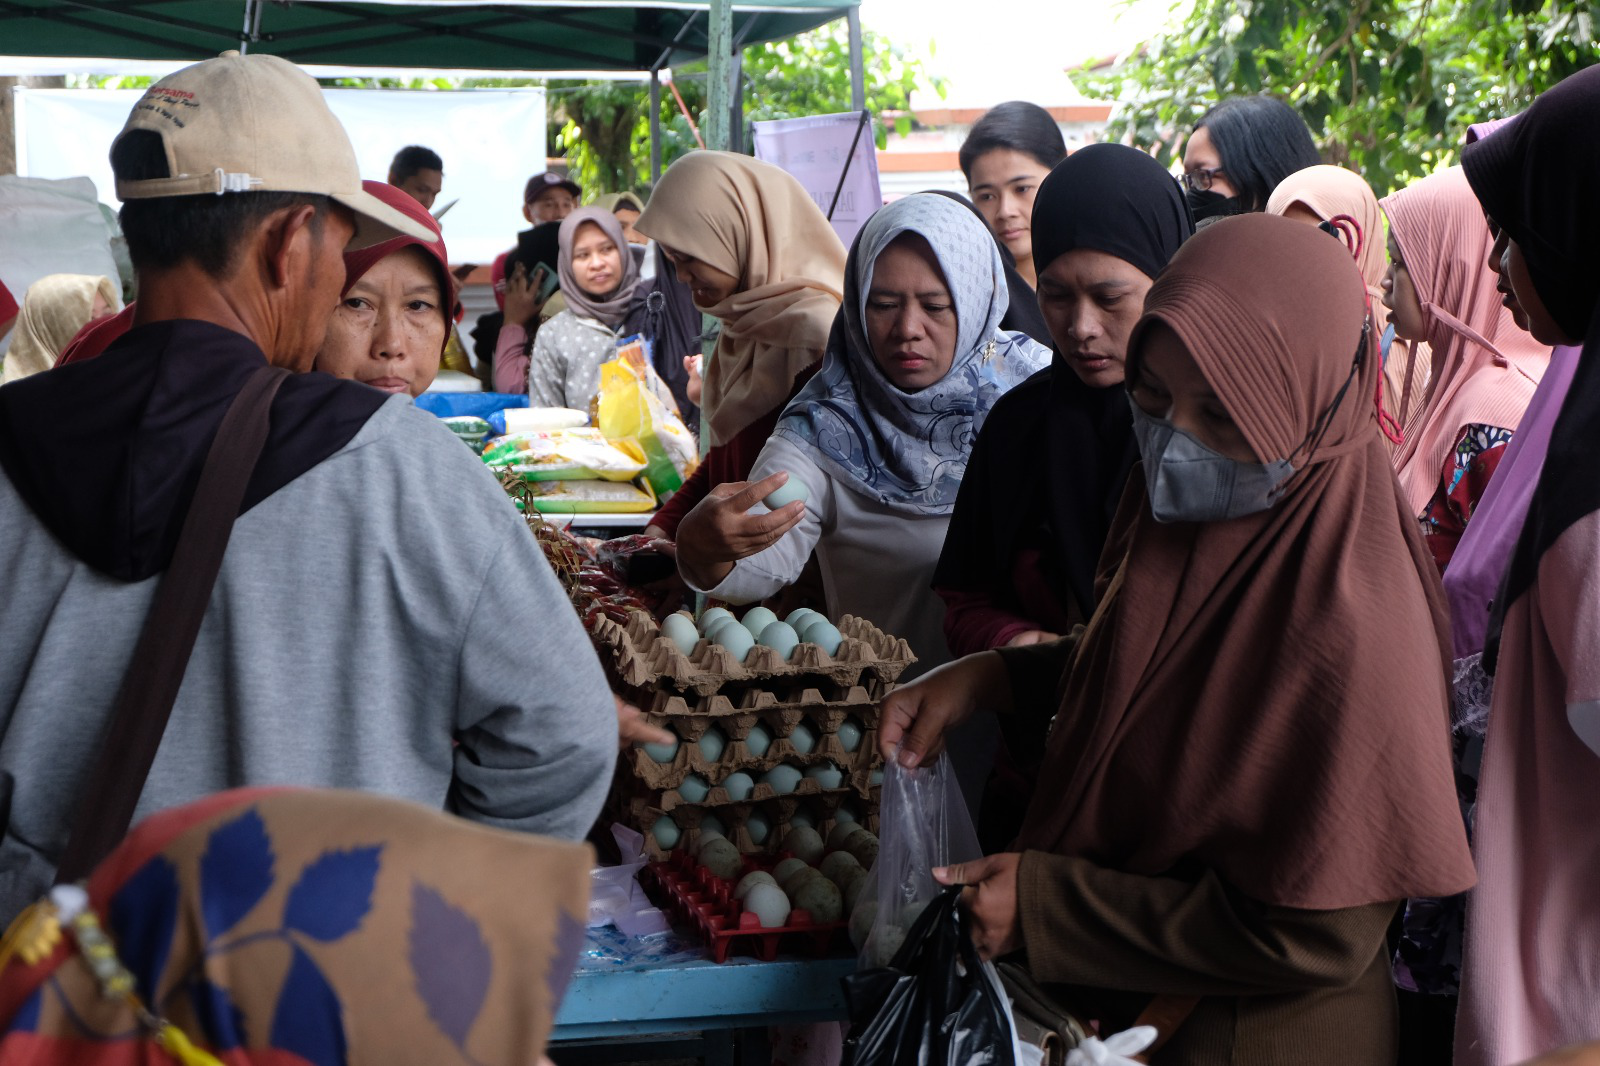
[1199, 179]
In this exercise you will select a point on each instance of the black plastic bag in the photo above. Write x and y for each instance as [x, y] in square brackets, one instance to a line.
[935, 1004]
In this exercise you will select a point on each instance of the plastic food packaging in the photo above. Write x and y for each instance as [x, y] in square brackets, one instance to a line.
[936, 1003]
[533, 419]
[629, 406]
[566, 455]
[590, 497]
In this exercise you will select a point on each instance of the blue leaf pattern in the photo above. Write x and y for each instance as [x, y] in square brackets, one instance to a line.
[222, 1021]
[333, 894]
[235, 872]
[309, 1020]
[450, 962]
[143, 918]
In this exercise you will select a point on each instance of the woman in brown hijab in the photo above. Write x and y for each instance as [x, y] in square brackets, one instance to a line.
[1251, 743]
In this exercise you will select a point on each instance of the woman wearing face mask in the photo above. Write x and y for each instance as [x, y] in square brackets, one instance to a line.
[1529, 982]
[1048, 470]
[1340, 200]
[392, 323]
[598, 276]
[1005, 157]
[879, 438]
[760, 257]
[1250, 765]
[1485, 369]
[1238, 153]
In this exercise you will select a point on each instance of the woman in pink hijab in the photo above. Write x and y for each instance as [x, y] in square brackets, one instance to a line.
[1485, 369]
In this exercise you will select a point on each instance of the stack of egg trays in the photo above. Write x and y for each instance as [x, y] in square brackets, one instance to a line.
[642, 658]
[696, 897]
[648, 789]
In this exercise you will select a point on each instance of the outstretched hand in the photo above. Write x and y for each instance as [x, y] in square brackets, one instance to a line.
[914, 718]
[718, 531]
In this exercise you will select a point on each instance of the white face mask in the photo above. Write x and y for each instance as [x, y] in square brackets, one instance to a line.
[1189, 482]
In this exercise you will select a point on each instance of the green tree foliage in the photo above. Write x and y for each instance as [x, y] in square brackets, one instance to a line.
[604, 127]
[1387, 86]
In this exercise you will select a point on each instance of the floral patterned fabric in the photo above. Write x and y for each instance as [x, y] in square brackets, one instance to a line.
[1428, 959]
[315, 928]
[1462, 482]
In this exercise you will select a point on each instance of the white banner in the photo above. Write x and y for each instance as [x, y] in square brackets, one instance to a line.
[814, 150]
[491, 140]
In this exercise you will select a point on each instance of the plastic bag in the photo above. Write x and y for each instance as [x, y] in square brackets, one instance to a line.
[922, 824]
[566, 455]
[935, 1004]
[628, 405]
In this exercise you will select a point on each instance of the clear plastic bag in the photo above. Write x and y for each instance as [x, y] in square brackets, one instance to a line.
[922, 824]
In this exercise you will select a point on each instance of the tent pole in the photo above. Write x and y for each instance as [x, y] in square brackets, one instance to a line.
[655, 125]
[252, 26]
[719, 83]
[858, 70]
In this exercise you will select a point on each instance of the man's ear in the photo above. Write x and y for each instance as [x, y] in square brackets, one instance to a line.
[527, 213]
[286, 237]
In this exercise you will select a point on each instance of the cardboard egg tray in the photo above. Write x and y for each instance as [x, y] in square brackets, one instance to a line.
[641, 812]
[641, 657]
[696, 897]
[778, 714]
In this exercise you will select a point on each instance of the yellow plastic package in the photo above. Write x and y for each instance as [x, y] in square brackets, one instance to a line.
[629, 406]
[566, 454]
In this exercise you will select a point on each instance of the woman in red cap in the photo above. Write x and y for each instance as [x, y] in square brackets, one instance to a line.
[393, 322]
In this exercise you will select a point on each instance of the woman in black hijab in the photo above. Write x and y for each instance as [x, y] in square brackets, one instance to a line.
[1048, 470]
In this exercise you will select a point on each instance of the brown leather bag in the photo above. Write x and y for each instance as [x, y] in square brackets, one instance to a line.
[1052, 1028]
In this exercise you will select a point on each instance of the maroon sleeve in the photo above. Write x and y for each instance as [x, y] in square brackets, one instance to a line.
[973, 623]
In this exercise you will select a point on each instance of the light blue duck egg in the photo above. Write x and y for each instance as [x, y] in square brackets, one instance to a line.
[801, 616]
[681, 631]
[737, 640]
[876, 777]
[711, 826]
[790, 491]
[739, 785]
[712, 617]
[826, 774]
[711, 744]
[804, 738]
[757, 826]
[694, 789]
[823, 634]
[715, 630]
[666, 832]
[845, 815]
[758, 740]
[849, 734]
[756, 619]
[781, 638]
[662, 753]
[802, 818]
[782, 778]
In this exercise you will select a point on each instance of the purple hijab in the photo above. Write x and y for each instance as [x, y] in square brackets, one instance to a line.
[1479, 564]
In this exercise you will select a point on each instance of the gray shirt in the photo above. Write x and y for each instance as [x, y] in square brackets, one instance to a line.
[384, 622]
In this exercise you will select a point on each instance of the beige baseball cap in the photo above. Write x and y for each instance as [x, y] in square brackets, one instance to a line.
[258, 123]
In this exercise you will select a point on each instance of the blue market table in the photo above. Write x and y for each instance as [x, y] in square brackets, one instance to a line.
[693, 997]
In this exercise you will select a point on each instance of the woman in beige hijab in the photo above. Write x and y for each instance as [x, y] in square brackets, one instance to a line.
[53, 310]
[1341, 200]
[757, 254]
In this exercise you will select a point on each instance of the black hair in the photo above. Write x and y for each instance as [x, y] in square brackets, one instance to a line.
[1018, 126]
[1260, 140]
[412, 158]
[205, 229]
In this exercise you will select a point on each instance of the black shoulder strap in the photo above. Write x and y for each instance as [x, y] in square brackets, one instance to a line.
[161, 656]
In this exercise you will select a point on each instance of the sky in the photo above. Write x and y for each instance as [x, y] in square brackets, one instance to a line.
[1016, 49]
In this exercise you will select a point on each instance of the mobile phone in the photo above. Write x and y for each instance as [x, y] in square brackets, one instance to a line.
[545, 282]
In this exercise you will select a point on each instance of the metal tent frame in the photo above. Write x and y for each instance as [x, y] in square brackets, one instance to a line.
[548, 36]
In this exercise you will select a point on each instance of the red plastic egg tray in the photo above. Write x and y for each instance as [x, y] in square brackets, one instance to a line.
[696, 897]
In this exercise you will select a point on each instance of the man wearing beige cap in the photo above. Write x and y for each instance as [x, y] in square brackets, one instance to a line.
[382, 619]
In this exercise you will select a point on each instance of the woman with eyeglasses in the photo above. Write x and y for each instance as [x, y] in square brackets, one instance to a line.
[1238, 153]
[760, 257]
